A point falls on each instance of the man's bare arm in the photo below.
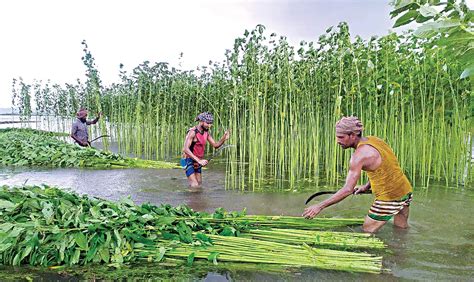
(221, 142)
(355, 169)
(94, 121)
(187, 145)
(353, 176)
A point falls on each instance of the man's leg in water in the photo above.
(401, 219)
(372, 225)
(198, 178)
(192, 180)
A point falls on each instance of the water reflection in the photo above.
(196, 199)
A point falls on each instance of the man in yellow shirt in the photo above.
(392, 190)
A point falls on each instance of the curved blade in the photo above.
(331, 192)
(318, 194)
(102, 136)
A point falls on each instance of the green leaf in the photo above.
(406, 18)
(201, 236)
(81, 240)
(6, 226)
(48, 212)
(190, 259)
(161, 254)
(185, 233)
(91, 252)
(457, 38)
(26, 252)
(95, 211)
(7, 205)
(227, 231)
(104, 254)
(421, 19)
(118, 237)
(428, 11)
(16, 259)
(15, 232)
(402, 3)
(137, 237)
(219, 213)
(165, 220)
(401, 6)
(117, 256)
(4, 247)
(147, 217)
(75, 256)
(442, 24)
(468, 72)
(55, 229)
(213, 257)
(170, 236)
(127, 201)
(62, 248)
(138, 245)
(427, 30)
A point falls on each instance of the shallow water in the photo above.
(438, 245)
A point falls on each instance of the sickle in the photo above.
(98, 138)
(331, 192)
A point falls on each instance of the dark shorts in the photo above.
(190, 166)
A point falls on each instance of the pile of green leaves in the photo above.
(33, 131)
(28, 147)
(48, 226)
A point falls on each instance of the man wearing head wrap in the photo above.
(392, 190)
(194, 146)
(79, 128)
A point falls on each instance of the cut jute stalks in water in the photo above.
(28, 147)
(47, 226)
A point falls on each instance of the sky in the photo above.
(41, 39)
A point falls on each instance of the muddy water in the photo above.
(438, 246)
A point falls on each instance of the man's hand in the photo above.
(202, 162)
(312, 211)
(100, 115)
(226, 135)
(360, 189)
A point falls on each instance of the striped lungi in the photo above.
(385, 210)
